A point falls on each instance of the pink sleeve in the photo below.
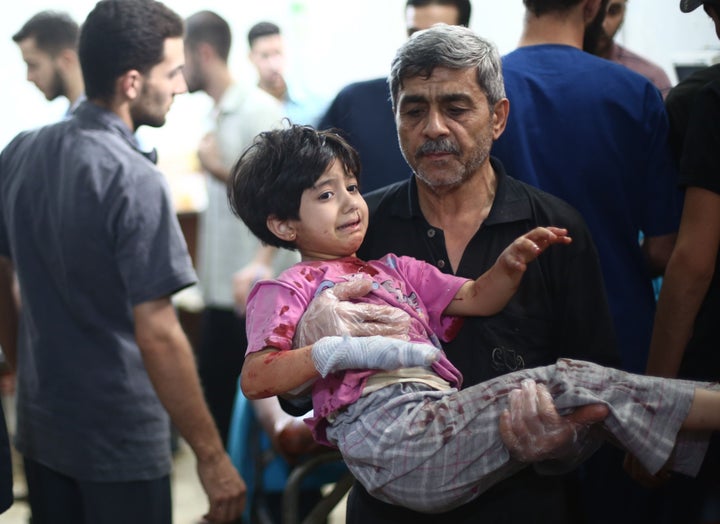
(273, 312)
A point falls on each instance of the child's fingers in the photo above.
(546, 236)
(352, 289)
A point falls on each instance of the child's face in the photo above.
(333, 217)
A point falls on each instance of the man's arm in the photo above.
(686, 281)
(171, 367)
(657, 251)
(210, 158)
(9, 310)
(259, 269)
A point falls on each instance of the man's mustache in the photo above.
(443, 145)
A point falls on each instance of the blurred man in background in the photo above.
(48, 43)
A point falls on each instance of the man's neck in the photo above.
(277, 89)
(459, 211)
(74, 89)
(218, 82)
(554, 28)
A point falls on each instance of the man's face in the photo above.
(445, 126)
(268, 57)
(595, 35)
(159, 87)
(419, 18)
(194, 76)
(614, 17)
(42, 69)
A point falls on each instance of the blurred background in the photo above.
(331, 43)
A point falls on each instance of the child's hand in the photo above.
(528, 247)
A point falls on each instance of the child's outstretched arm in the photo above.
(493, 289)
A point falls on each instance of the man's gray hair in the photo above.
(453, 47)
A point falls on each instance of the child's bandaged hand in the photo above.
(332, 313)
(331, 354)
(534, 431)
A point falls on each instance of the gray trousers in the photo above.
(431, 450)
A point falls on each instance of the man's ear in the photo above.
(500, 116)
(130, 84)
(283, 229)
(66, 59)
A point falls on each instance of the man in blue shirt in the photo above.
(595, 134)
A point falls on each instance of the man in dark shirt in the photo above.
(458, 212)
(686, 332)
(87, 222)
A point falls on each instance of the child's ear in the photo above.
(282, 229)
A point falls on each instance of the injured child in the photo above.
(393, 406)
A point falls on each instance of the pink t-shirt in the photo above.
(275, 307)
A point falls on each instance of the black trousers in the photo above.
(58, 499)
(220, 355)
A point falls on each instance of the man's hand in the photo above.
(210, 158)
(532, 429)
(244, 280)
(224, 487)
(332, 314)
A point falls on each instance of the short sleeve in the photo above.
(150, 249)
(700, 161)
(274, 310)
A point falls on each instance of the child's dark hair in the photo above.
(271, 175)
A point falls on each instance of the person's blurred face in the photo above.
(159, 87)
(595, 38)
(614, 17)
(268, 56)
(445, 126)
(713, 11)
(192, 70)
(419, 18)
(42, 69)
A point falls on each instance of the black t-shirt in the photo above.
(700, 167)
(679, 102)
(559, 310)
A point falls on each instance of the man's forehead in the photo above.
(442, 82)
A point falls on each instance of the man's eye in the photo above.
(457, 110)
(413, 113)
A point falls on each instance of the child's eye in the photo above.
(326, 195)
(353, 188)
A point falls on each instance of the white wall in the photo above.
(331, 43)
